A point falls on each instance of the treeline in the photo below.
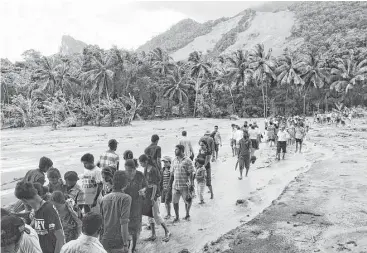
(110, 87)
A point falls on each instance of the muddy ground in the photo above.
(322, 210)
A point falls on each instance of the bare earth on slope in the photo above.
(323, 210)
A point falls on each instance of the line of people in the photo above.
(101, 210)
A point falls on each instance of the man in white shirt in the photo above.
(232, 139)
(238, 136)
(16, 236)
(283, 136)
(88, 241)
(254, 133)
(184, 141)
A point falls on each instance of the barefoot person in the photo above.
(205, 155)
(244, 154)
(217, 142)
(115, 210)
(182, 172)
(254, 134)
(136, 183)
(300, 134)
(232, 139)
(283, 136)
(45, 218)
(153, 192)
(200, 177)
(110, 158)
(166, 197)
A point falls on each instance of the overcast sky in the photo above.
(40, 24)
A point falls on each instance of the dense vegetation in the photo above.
(109, 87)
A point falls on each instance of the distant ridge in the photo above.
(70, 46)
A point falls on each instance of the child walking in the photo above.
(166, 197)
(200, 178)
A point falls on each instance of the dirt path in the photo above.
(323, 210)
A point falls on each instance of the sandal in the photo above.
(167, 237)
(150, 239)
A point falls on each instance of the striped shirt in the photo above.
(166, 177)
(109, 158)
(182, 168)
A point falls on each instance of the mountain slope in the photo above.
(278, 25)
(69, 45)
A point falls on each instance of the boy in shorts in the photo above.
(166, 197)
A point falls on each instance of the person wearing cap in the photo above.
(166, 197)
(45, 219)
(110, 158)
(209, 140)
(16, 236)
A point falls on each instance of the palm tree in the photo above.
(161, 61)
(178, 85)
(314, 74)
(199, 69)
(263, 66)
(239, 67)
(348, 72)
(47, 72)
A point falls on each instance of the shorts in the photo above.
(216, 147)
(183, 192)
(166, 197)
(233, 143)
(255, 144)
(208, 176)
(272, 139)
(244, 162)
(282, 146)
(299, 141)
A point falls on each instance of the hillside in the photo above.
(278, 25)
(69, 45)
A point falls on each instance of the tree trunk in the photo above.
(99, 110)
(304, 105)
(196, 95)
(262, 91)
(233, 104)
(266, 99)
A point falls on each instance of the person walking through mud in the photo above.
(283, 136)
(217, 142)
(244, 154)
(205, 155)
(135, 186)
(232, 139)
(300, 134)
(181, 175)
(153, 191)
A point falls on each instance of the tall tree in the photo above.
(348, 72)
(199, 69)
(161, 61)
(263, 65)
(239, 69)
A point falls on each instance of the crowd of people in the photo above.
(339, 118)
(101, 210)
